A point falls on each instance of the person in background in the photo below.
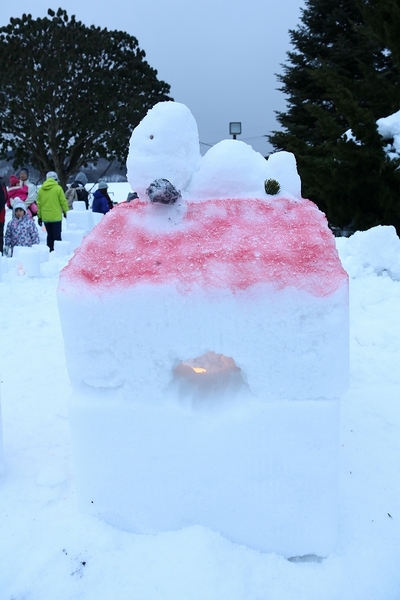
(21, 230)
(81, 192)
(52, 205)
(16, 191)
(3, 202)
(102, 202)
(32, 189)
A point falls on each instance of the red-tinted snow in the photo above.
(219, 244)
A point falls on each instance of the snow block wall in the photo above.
(2, 466)
(79, 222)
(207, 345)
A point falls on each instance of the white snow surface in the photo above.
(50, 550)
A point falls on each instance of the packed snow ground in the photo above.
(49, 550)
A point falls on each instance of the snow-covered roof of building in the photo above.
(213, 244)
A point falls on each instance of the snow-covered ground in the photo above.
(48, 550)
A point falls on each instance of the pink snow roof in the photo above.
(218, 244)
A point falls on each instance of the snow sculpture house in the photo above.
(207, 345)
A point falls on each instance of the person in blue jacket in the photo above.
(102, 202)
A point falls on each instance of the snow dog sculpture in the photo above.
(206, 341)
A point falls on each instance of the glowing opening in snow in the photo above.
(208, 377)
(209, 364)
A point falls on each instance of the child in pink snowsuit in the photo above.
(16, 191)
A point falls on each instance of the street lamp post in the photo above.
(235, 128)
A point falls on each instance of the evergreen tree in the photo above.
(383, 16)
(71, 94)
(341, 78)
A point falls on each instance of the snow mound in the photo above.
(374, 251)
(230, 169)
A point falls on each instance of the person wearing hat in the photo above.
(21, 230)
(16, 191)
(32, 189)
(3, 203)
(102, 202)
(52, 204)
(81, 192)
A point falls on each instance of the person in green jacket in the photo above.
(52, 205)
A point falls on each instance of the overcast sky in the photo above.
(219, 56)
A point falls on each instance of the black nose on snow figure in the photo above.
(162, 190)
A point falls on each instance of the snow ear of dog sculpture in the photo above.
(207, 345)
